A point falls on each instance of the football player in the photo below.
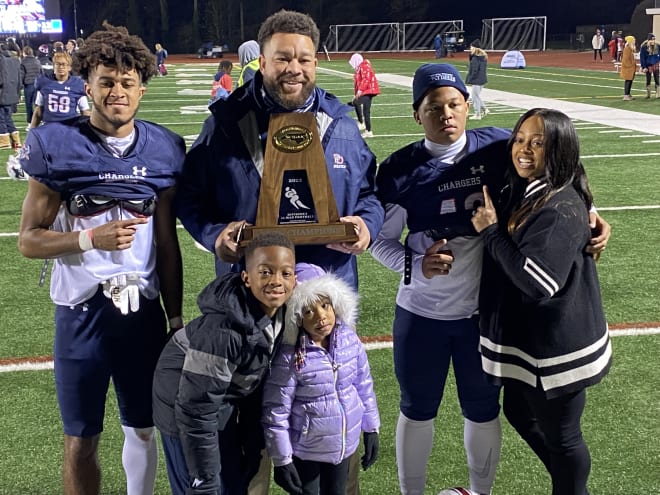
(99, 203)
(436, 316)
(60, 95)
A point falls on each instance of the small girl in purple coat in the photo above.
(319, 395)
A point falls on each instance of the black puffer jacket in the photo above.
(10, 79)
(209, 368)
(30, 69)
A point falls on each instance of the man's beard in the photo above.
(285, 100)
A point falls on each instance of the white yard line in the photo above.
(386, 343)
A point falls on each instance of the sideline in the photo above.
(370, 343)
(625, 119)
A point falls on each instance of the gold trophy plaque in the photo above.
(295, 197)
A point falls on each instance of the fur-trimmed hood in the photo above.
(309, 290)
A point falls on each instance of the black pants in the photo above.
(655, 74)
(551, 427)
(322, 478)
(363, 110)
(598, 51)
(627, 86)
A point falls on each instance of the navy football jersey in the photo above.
(96, 187)
(440, 197)
(60, 100)
(81, 164)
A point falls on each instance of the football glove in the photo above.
(124, 292)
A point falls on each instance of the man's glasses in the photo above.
(62, 65)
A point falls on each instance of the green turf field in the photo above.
(622, 422)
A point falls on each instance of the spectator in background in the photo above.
(30, 70)
(61, 96)
(43, 56)
(649, 59)
(70, 47)
(628, 67)
(58, 46)
(598, 43)
(248, 57)
(365, 88)
(612, 46)
(620, 43)
(161, 55)
(222, 83)
(477, 76)
(10, 95)
(437, 45)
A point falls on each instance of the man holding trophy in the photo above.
(282, 154)
(225, 167)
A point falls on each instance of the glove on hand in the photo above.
(287, 477)
(124, 292)
(370, 449)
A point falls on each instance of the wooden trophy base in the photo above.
(305, 233)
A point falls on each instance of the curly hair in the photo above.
(115, 47)
(288, 21)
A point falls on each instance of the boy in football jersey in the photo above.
(99, 203)
(60, 95)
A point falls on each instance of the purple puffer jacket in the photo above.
(317, 413)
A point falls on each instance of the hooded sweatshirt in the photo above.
(248, 57)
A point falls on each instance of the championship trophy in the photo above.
(296, 198)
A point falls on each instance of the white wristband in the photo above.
(176, 322)
(85, 240)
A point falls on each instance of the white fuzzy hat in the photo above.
(314, 283)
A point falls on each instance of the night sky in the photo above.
(563, 15)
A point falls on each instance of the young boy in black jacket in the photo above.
(207, 384)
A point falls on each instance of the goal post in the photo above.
(383, 37)
(514, 33)
(419, 35)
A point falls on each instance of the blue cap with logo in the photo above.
(430, 76)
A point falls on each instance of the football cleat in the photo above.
(456, 490)
(14, 169)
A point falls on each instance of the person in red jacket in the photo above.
(365, 87)
(612, 46)
(222, 82)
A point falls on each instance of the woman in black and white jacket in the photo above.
(543, 330)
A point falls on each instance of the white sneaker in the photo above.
(361, 126)
(485, 112)
(476, 116)
(367, 134)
